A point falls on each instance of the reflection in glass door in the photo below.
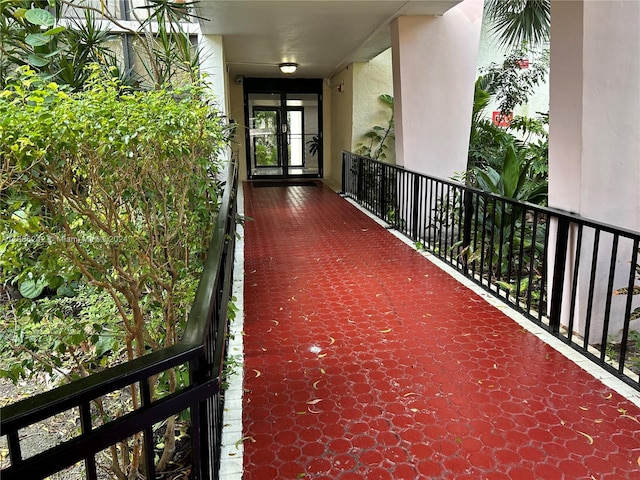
(284, 136)
(304, 145)
(265, 135)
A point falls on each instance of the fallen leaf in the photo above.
(301, 413)
(410, 394)
(599, 420)
(414, 410)
(588, 437)
(253, 440)
(313, 402)
(608, 396)
(332, 340)
(583, 408)
(258, 372)
(322, 355)
(276, 321)
(322, 371)
(630, 417)
(313, 411)
(315, 385)
(385, 331)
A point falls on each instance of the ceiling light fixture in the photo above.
(288, 67)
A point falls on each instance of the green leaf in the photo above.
(38, 16)
(56, 30)
(20, 12)
(103, 345)
(65, 291)
(36, 39)
(510, 172)
(32, 288)
(37, 60)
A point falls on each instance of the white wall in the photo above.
(434, 71)
(594, 134)
(213, 65)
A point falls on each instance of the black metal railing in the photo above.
(202, 349)
(572, 276)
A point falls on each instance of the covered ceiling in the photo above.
(321, 36)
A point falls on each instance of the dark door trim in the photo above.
(282, 87)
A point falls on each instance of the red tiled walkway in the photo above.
(365, 361)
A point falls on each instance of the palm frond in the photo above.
(519, 21)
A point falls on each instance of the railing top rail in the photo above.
(46, 404)
(551, 211)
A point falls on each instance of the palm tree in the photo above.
(518, 21)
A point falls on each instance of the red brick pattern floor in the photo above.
(365, 361)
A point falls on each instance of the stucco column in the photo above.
(594, 112)
(434, 70)
(594, 139)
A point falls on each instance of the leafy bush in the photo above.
(119, 187)
(107, 201)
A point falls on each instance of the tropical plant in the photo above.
(109, 193)
(314, 145)
(518, 21)
(509, 83)
(377, 139)
(512, 181)
(635, 314)
(31, 33)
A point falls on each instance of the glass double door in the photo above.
(284, 137)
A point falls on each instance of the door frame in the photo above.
(282, 87)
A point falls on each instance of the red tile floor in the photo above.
(363, 360)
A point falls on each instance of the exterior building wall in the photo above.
(236, 115)
(434, 70)
(594, 137)
(340, 103)
(372, 79)
(213, 65)
(595, 110)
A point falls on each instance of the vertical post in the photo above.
(415, 206)
(383, 192)
(85, 426)
(149, 458)
(466, 229)
(559, 266)
(359, 180)
(197, 416)
(344, 173)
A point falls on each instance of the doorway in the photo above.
(284, 138)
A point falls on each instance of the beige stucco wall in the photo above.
(340, 124)
(372, 79)
(236, 114)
